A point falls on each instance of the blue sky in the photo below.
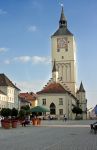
(26, 27)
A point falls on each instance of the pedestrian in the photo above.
(65, 118)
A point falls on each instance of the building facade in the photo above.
(64, 53)
(55, 97)
(9, 93)
(3, 99)
(61, 94)
(27, 99)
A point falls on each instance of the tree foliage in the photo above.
(76, 110)
(6, 112)
(22, 113)
(27, 109)
(14, 112)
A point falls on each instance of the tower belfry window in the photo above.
(58, 50)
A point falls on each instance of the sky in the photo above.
(26, 27)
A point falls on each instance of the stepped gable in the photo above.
(64, 85)
(57, 88)
(53, 88)
(4, 81)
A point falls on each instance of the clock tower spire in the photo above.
(62, 21)
(64, 52)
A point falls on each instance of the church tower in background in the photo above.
(64, 54)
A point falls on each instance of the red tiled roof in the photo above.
(28, 96)
(53, 88)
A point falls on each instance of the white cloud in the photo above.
(32, 28)
(3, 49)
(7, 62)
(33, 59)
(23, 59)
(2, 12)
(27, 59)
(38, 59)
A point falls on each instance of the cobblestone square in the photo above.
(51, 135)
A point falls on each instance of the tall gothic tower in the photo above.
(64, 53)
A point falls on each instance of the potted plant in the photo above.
(6, 122)
(14, 113)
(22, 114)
(38, 121)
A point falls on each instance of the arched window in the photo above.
(52, 109)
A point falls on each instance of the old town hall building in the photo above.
(61, 94)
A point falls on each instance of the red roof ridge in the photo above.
(53, 87)
(28, 96)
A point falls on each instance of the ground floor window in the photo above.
(60, 111)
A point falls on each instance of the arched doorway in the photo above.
(52, 109)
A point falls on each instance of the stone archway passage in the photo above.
(52, 109)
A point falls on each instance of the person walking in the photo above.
(65, 118)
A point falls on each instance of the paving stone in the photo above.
(51, 135)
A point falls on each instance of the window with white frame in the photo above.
(43, 101)
(60, 101)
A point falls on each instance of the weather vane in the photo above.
(60, 3)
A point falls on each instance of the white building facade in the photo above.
(57, 99)
(64, 53)
(10, 91)
(62, 88)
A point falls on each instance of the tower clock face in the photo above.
(61, 42)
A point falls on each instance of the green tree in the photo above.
(27, 109)
(14, 112)
(76, 110)
(6, 112)
(22, 114)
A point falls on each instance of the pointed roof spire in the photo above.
(62, 30)
(62, 21)
(62, 17)
(81, 88)
(54, 67)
